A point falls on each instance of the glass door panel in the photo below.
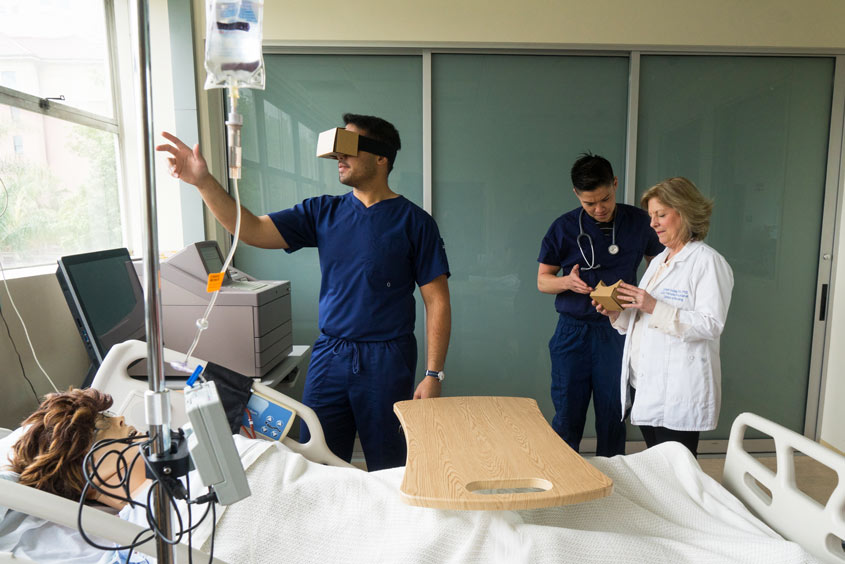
(752, 133)
(506, 130)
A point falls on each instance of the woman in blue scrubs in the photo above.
(600, 241)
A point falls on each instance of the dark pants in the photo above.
(352, 386)
(587, 360)
(656, 435)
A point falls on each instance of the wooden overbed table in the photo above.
(494, 453)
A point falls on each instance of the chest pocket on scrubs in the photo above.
(389, 267)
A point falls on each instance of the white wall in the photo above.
(833, 414)
(54, 337)
(168, 192)
(815, 24)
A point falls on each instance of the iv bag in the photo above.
(233, 44)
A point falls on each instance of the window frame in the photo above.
(122, 124)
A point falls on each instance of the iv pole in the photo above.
(157, 400)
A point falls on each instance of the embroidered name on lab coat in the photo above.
(671, 294)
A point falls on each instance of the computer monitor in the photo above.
(211, 258)
(106, 300)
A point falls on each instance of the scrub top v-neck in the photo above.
(371, 258)
(634, 237)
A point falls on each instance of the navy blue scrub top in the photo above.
(634, 237)
(370, 259)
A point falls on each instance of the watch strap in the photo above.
(435, 374)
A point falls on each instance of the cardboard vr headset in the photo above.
(608, 296)
(337, 142)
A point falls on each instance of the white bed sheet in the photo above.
(663, 509)
(249, 451)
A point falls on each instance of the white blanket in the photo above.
(663, 509)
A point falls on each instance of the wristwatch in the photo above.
(435, 374)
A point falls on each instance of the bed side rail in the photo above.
(128, 393)
(315, 449)
(786, 509)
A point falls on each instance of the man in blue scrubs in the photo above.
(599, 241)
(374, 247)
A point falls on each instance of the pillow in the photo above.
(6, 444)
(42, 541)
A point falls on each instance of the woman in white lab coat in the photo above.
(671, 373)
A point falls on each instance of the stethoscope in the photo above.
(612, 249)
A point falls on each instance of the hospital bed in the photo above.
(771, 496)
(128, 395)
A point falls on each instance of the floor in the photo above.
(813, 478)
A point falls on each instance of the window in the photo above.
(59, 164)
(8, 79)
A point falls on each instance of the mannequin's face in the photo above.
(109, 468)
(113, 427)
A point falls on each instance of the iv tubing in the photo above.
(202, 323)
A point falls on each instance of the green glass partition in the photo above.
(752, 133)
(506, 130)
(305, 95)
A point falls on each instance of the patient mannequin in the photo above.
(50, 453)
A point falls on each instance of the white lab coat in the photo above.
(679, 377)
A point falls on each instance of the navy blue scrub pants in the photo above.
(352, 386)
(587, 360)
